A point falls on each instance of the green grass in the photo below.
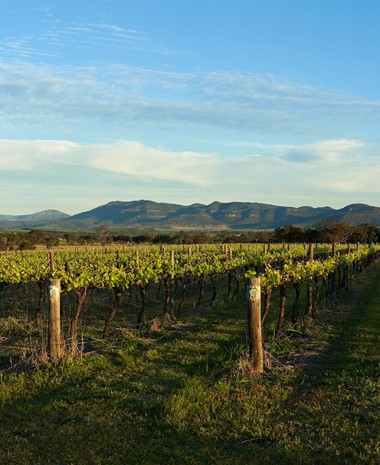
(180, 395)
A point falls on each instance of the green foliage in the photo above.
(185, 397)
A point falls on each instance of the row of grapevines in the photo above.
(334, 273)
(119, 270)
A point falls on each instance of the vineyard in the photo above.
(153, 359)
(167, 283)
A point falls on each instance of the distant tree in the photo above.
(123, 238)
(36, 237)
(52, 241)
(142, 238)
(184, 238)
(289, 233)
(311, 235)
(202, 238)
(163, 239)
(13, 241)
(264, 236)
(333, 232)
(71, 238)
(373, 232)
(3, 242)
(26, 245)
(103, 235)
(365, 233)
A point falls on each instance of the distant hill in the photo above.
(33, 221)
(216, 216)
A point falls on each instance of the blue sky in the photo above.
(188, 101)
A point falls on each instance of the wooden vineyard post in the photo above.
(309, 289)
(254, 326)
(54, 328)
(54, 348)
(311, 252)
(230, 253)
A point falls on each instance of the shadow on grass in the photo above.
(112, 408)
(333, 412)
(173, 400)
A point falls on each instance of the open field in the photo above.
(180, 394)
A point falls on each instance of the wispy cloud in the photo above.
(63, 43)
(89, 35)
(125, 158)
(121, 95)
(135, 159)
(330, 152)
(323, 171)
(248, 175)
(133, 169)
(28, 154)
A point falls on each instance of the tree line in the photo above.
(324, 232)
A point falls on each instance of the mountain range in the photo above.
(146, 214)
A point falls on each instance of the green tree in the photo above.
(103, 235)
(333, 232)
(289, 233)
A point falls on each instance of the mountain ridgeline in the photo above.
(147, 214)
(32, 221)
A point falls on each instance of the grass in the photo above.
(180, 395)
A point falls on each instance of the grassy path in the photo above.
(335, 413)
(179, 399)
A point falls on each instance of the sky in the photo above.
(187, 101)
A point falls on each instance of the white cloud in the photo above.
(98, 173)
(61, 41)
(60, 99)
(334, 172)
(330, 152)
(360, 177)
(126, 158)
(27, 154)
(135, 159)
